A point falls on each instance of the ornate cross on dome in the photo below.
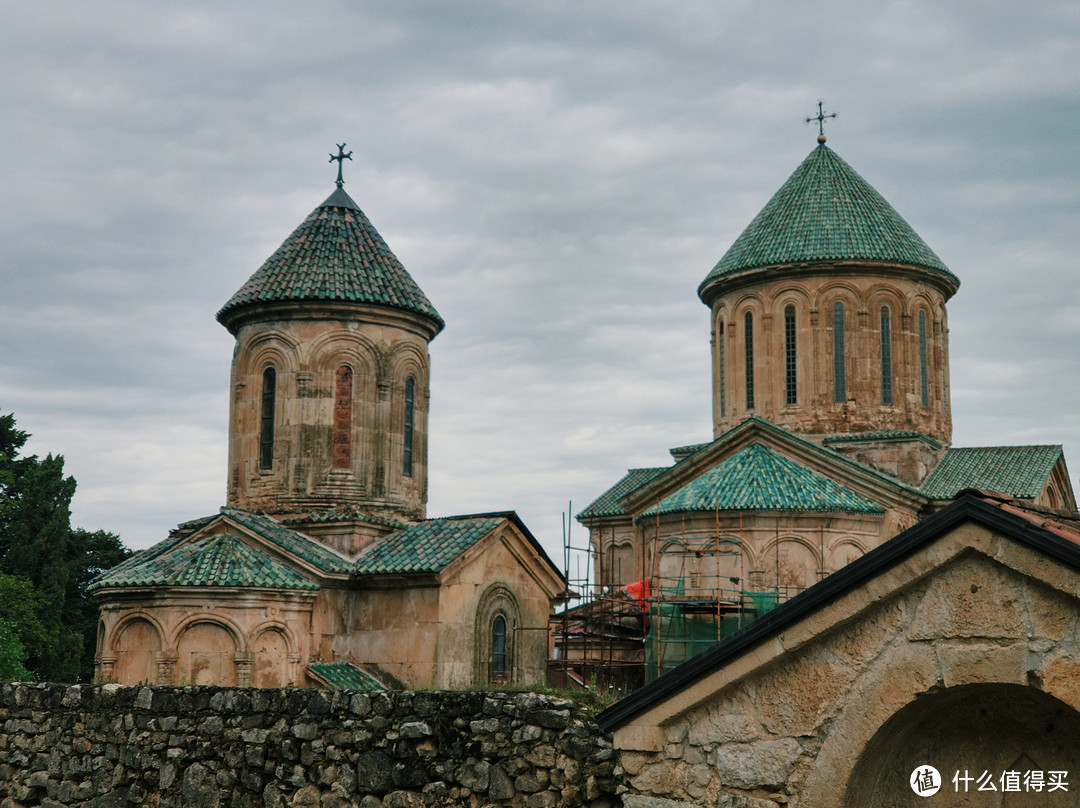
(341, 157)
(820, 118)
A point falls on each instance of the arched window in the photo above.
(498, 667)
(266, 428)
(839, 374)
(722, 358)
(749, 321)
(495, 645)
(924, 370)
(790, 391)
(886, 356)
(410, 406)
(343, 397)
(943, 364)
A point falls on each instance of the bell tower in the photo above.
(329, 406)
(828, 318)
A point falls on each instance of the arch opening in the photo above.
(992, 728)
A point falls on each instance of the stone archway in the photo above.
(994, 728)
(271, 668)
(138, 644)
(206, 655)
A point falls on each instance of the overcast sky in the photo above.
(557, 176)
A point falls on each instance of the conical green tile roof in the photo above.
(826, 212)
(336, 254)
(758, 479)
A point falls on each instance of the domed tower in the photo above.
(329, 404)
(828, 318)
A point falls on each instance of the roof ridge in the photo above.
(1010, 446)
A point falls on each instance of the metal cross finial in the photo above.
(341, 157)
(820, 118)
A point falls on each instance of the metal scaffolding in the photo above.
(619, 635)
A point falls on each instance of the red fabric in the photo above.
(639, 591)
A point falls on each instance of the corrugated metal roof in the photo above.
(758, 479)
(1019, 471)
(825, 211)
(336, 254)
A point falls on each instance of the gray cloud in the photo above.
(558, 177)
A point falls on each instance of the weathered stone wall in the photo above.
(957, 658)
(109, 746)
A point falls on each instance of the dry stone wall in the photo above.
(109, 746)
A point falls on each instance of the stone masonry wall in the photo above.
(917, 676)
(109, 746)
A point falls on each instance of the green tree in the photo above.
(19, 626)
(12, 656)
(37, 544)
(90, 554)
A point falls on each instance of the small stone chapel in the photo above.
(322, 568)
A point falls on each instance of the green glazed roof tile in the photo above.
(291, 541)
(825, 211)
(425, 547)
(347, 515)
(344, 676)
(882, 436)
(758, 479)
(607, 504)
(336, 254)
(1019, 471)
(221, 560)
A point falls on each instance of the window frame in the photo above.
(267, 416)
(791, 390)
(839, 353)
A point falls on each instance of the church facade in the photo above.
(832, 427)
(323, 568)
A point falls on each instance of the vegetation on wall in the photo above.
(48, 622)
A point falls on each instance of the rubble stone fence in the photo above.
(109, 746)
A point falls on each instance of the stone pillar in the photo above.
(244, 661)
(166, 663)
(105, 669)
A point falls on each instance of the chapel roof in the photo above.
(335, 255)
(185, 559)
(344, 676)
(221, 560)
(756, 478)
(825, 211)
(608, 503)
(1019, 471)
(428, 546)
(291, 541)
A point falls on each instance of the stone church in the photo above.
(323, 568)
(941, 668)
(922, 635)
(832, 429)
